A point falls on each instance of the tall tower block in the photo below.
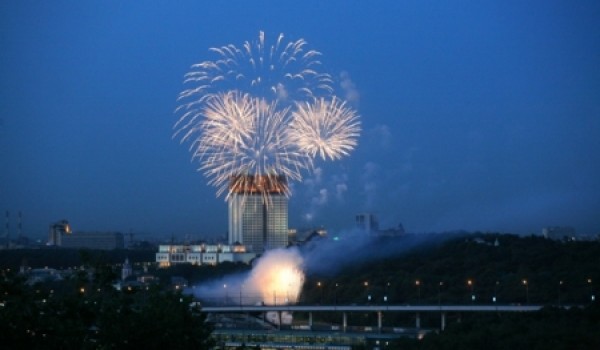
(258, 212)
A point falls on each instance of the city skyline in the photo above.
(482, 117)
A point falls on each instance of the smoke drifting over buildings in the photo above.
(276, 278)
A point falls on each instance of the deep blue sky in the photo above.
(475, 115)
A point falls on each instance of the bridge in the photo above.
(379, 309)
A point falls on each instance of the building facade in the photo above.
(61, 235)
(367, 222)
(258, 213)
(202, 254)
(93, 240)
(57, 231)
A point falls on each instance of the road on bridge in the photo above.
(372, 308)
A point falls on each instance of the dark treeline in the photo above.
(86, 312)
(564, 276)
(549, 329)
(518, 270)
(61, 258)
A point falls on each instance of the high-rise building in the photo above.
(57, 231)
(258, 212)
(367, 222)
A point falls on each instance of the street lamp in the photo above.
(560, 283)
(335, 293)
(440, 293)
(526, 290)
(366, 284)
(385, 297)
(418, 284)
(592, 296)
(225, 290)
(470, 284)
(320, 291)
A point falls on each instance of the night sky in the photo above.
(475, 115)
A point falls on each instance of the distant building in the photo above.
(393, 231)
(258, 222)
(127, 270)
(61, 235)
(57, 231)
(559, 233)
(302, 236)
(93, 240)
(202, 254)
(367, 222)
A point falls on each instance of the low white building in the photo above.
(202, 254)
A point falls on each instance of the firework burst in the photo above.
(258, 115)
(242, 139)
(325, 128)
(280, 71)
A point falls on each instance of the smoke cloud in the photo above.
(370, 181)
(351, 92)
(276, 278)
(320, 192)
(340, 250)
(380, 135)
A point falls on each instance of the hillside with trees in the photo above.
(561, 275)
(86, 312)
(514, 269)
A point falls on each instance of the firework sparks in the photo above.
(276, 72)
(326, 128)
(241, 138)
(258, 116)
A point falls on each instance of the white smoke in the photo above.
(370, 181)
(276, 278)
(350, 91)
(321, 192)
(340, 189)
(281, 92)
(317, 194)
(380, 135)
(321, 199)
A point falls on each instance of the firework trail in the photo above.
(258, 115)
(276, 72)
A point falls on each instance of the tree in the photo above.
(154, 319)
(98, 318)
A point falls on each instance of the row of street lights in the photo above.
(470, 284)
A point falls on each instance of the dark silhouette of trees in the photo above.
(551, 328)
(555, 272)
(89, 315)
